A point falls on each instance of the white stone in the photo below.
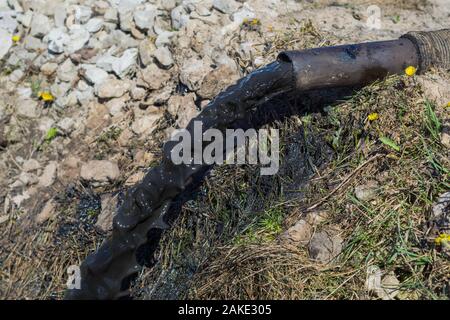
(67, 71)
(4, 5)
(49, 68)
(226, 6)
(67, 101)
(125, 20)
(94, 25)
(60, 15)
(168, 4)
(60, 89)
(128, 5)
(16, 76)
(78, 37)
(85, 96)
(18, 199)
(48, 212)
(246, 12)
(8, 21)
(145, 124)
(49, 175)
(15, 5)
(82, 14)
(20, 55)
(115, 105)
(146, 50)
(33, 44)
(138, 93)
(105, 62)
(367, 191)
(24, 92)
(193, 72)
(202, 10)
(66, 125)
(152, 77)
(164, 56)
(45, 123)
(112, 88)
(5, 40)
(100, 7)
(182, 108)
(40, 25)
(24, 179)
(82, 85)
(31, 165)
(94, 74)
(100, 171)
(122, 66)
(27, 108)
(105, 219)
(117, 40)
(57, 39)
(145, 19)
(163, 38)
(179, 17)
(25, 19)
(111, 15)
(125, 9)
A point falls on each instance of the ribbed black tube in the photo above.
(146, 205)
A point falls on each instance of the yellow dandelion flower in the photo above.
(46, 96)
(410, 71)
(16, 38)
(373, 116)
(448, 104)
(255, 21)
(442, 238)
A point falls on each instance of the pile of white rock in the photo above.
(94, 47)
(109, 63)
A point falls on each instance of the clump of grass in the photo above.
(432, 122)
(265, 229)
(51, 134)
(105, 142)
(35, 84)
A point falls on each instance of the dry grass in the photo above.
(272, 271)
(34, 259)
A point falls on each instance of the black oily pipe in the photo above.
(146, 205)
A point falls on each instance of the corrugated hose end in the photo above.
(433, 48)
